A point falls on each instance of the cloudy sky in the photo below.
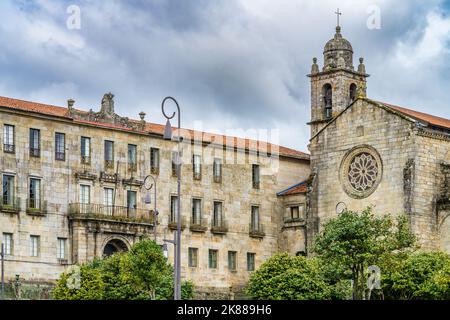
(234, 65)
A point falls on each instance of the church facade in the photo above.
(73, 182)
(371, 153)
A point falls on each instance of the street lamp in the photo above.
(177, 240)
(148, 199)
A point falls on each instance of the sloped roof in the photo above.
(297, 188)
(424, 117)
(155, 128)
(409, 114)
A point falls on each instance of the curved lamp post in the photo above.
(177, 240)
(148, 199)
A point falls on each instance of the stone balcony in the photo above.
(173, 223)
(219, 227)
(198, 225)
(110, 213)
(256, 231)
(36, 207)
(10, 205)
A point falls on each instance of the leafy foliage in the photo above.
(422, 275)
(353, 241)
(140, 274)
(285, 277)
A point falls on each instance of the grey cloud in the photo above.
(230, 63)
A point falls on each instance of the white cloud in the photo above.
(427, 46)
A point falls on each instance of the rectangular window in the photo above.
(250, 261)
(196, 211)
(8, 138)
(193, 257)
(254, 222)
(61, 252)
(197, 166)
(109, 154)
(35, 143)
(173, 208)
(295, 212)
(8, 190)
(154, 161)
(212, 259)
(108, 200)
(131, 203)
(131, 199)
(60, 146)
(34, 200)
(132, 157)
(232, 260)
(85, 150)
(255, 176)
(34, 246)
(217, 216)
(8, 244)
(85, 194)
(217, 170)
(175, 161)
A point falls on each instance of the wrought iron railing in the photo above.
(132, 166)
(256, 230)
(60, 156)
(10, 204)
(9, 148)
(35, 152)
(85, 159)
(106, 212)
(109, 164)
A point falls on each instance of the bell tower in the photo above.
(337, 85)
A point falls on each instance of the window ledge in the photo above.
(36, 212)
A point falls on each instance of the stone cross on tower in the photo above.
(338, 14)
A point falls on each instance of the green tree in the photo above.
(421, 275)
(89, 287)
(286, 277)
(354, 241)
(140, 274)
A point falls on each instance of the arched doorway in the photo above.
(113, 246)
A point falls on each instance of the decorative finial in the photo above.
(314, 67)
(361, 67)
(142, 115)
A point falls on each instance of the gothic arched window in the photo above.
(352, 92)
(327, 100)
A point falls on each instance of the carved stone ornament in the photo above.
(361, 171)
(106, 115)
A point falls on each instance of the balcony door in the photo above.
(8, 190)
(85, 198)
(131, 203)
(108, 201)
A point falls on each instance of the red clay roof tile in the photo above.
(261, 146)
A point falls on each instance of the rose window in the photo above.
(363, 172)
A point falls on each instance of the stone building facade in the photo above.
(73, 181)
(73, 189)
